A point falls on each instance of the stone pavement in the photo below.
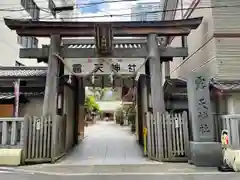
(178, 176)
(106, 143)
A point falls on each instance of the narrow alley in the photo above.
(107, 143)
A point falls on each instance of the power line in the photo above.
(134, 14)
(167, 10)
(81, 4)
(85, 4)
(78, 5)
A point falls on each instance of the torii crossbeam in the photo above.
(86, 29)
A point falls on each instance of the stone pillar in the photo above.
(203, 150)
(144, 99)
(76, 109)
(139, 111)
(157, 95)
(51, 90)
(81, 116)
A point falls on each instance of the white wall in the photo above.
(9, 48)
(201, 47)
(33, 108)
(8, 39)
(233, 104)
(227, 23)
(214, 47)
(109, 105)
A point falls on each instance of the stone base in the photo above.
(206, 153)
(232, 158)
(10, 157)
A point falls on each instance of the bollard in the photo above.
(145, 141)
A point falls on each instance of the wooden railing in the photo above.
(42, 139)
(45, 138)
(168, 138)
(11, 132)
(231, 123)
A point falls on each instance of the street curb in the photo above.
(16, 170)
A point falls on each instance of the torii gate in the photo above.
(104, 34)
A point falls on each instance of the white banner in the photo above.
(16, 94)
(102, 66)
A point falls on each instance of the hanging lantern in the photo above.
(93, 79)
(69, 79)
(111, 78)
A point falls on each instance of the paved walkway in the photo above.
(107, 143)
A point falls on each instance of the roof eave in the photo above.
(17, 24)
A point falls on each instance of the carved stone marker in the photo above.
(203, 150)
(200, 108)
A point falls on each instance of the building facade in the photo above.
(146, 12)
(213, 48)
(10, 42)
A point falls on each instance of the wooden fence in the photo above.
(231, 123)
(11, 132)
(44, 138)
(168, 138)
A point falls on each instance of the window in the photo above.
(24, 42)
(19, 39)
(36, 14)
(31, 7)
(34, 11)
(52, 6)
(183, 7)
(184, 43)
(27, 42)
(35, 42)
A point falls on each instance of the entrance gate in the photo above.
(172, 130)
(163, 129)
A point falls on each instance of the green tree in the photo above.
(91, 104)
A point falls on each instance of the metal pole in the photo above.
(50, 96)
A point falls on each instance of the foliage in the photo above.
(98, 92)
(91, 104)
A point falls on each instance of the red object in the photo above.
(89, 60)
(226, 139)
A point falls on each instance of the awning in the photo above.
(22, 71)
(23, 96)
(226, 85)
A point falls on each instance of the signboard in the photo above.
(101, 66)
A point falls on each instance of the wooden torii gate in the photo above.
(104, 34)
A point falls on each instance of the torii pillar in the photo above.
(51, 88)
(157, 95)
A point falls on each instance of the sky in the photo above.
(106, 9)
